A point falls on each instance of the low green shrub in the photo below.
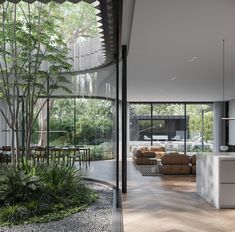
(59, 179)
(13, 213)
(16, 186)
(42, 193)
(97, 153)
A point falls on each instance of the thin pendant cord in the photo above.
(224, 116)
(223, 72)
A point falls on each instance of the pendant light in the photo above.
(223, 78)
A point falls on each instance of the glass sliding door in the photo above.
(169, 126)
(140, 124)
(200, 127)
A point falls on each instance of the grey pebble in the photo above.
(96, 218)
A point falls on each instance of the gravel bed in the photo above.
(96, 218)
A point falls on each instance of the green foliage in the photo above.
(195, 125)
(55, 191)
(101, 152)
(27, 166)
(93, 121)
(16, 185)
(79, 20)
(97, 153)
(13, 213)
(60, 179)
(57, 215)
(31, 39)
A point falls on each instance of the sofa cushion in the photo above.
(149, 154)
(193, 160)
(143, 161)
(175, 159)
(138, 154)
(174, 169)
(157, 148)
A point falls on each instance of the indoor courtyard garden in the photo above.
(56, 116)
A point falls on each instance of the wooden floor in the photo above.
(160, 204)
(170, 203)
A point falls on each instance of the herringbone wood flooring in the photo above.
(170, 204)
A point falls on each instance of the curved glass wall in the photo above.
(74, 72)
(78, 122)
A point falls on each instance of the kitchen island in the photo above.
(215, 178)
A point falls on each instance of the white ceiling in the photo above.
(175, 50)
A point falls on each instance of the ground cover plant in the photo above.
(41, 193)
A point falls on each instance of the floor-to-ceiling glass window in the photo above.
(178, 127)
(94, 125)
(140, 124)
(77, 121)
(169, 126)
(200, 127)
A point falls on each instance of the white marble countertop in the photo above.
(219, 154)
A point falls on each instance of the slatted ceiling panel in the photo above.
(99, 24)
(98, 13)
(73, 1)
(89, 1)
(44, 1)
(102, 48)
(60, 1)
(14, 1)
(29, 1)
(97, 10)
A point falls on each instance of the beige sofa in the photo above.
(173, 164)
(169, 164)
(193, 164)
(142, 154)
(176, 164)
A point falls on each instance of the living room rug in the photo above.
(148, 170)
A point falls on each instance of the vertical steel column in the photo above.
(23, 126)
(151, 104)
(226, 124)
(48, 118)
(117, 17)
(202, 132)
(185, 128)
(74, 120)
(124, 118)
